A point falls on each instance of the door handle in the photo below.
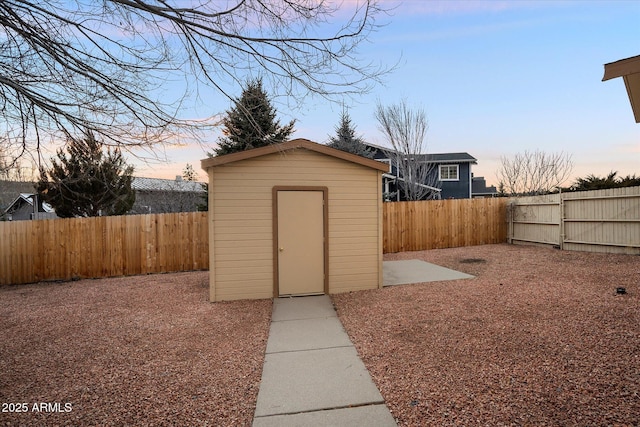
(281, 249)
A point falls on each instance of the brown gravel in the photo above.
(538, 338)
(143, 350)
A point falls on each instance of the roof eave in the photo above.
(629, 70)
(292, 145)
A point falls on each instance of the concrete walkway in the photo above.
(417, 271)
(312, 374)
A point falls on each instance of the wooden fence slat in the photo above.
(414, 226)
(597, 221)
(62, 249)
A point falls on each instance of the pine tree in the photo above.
(89, 182)
(346, 139)
(188, 174)
(251, 122)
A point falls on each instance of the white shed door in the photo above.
(300, 243)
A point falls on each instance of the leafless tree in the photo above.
(13, 168)
(405, 128)
(534, 172)
(105, 66)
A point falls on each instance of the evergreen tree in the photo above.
(346, 139)
(593, 182)
(251, 122)
(188, 174)
(89, 182)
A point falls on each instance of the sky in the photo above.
(495, 78)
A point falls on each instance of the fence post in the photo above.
(562, 217)
(510, 209)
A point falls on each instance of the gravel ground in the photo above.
(538, 338)
(143, 350)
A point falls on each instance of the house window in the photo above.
(449, 173)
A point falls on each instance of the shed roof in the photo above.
(629, 70)
(292, 145)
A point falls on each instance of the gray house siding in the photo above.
(459, 188)
(23, 209)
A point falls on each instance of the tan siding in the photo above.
(242, 214)
(212, 242)
(244, 241)
(250, 229)
(358, 265)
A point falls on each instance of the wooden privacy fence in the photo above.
(436, 224)
(591, 221)
(63, 249)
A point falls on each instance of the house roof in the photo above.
(435, 157)
(156, 184)
(28, 198)
(293, 145)
(479, 187)
(629, 70)
(450, 158)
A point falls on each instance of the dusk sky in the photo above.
(494, 77)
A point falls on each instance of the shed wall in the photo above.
(241, 229)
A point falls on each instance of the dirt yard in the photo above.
(539, 337)
(142, 350)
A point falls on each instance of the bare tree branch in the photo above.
(406, 130)
(534, 172)
(70, 66)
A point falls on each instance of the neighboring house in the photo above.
(453, 169)
(28, 206)
(479, 188)
(152, 196)
(155, 195)
(9, 190)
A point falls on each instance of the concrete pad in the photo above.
(302, 308)
(307, 334)
(417, 271)
(370, 415)
(313, 380)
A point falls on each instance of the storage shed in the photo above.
(296, 218)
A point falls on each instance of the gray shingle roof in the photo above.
(436, 157)
(451, 157)
(28, 198)
(157, 184)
